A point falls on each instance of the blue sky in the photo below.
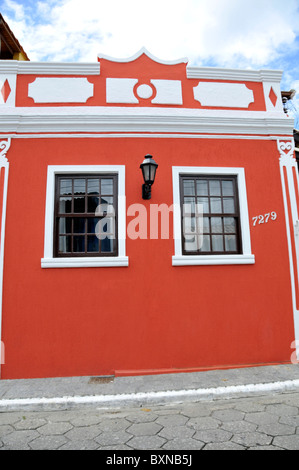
(247, 34)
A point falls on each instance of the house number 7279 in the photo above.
(263, 219)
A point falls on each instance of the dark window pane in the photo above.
(203, 204)
(202, 187)
(107, 200)
(79, 205)
(78, 244)
(189, 205)
(79, 225)
(106, 205)
(106, 186)
(92, 204)
(189, 187)
(65, 225)
(189, 224)
(79, 186)
(65, 244)
(215, 188)
(92, 243)
(216, 225)
(229, 225)
(107, 245)
(227, 188)
(206, 225)
(205, 244)
(230, 242)
(217, 243)
(106, 226)
(65, 205)
(92, 225)
(93, 186)
(216, 207)
(190, 243)
(65, 187)
(228, 205)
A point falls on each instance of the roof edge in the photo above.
(143, 50)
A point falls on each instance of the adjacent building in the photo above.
(10, 48)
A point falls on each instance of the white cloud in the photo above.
(233, 33)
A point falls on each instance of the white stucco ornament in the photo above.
(4, 147)
(144, 91)
(60, 90)
(223, 95)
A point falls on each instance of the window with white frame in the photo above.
(85, 217)
(211, 224)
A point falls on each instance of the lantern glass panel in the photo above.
(152, 173)
(146, 172)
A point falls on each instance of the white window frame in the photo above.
(48, 261)
(246, 257)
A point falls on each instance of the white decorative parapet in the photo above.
(60, 90)
(4, 167)
(223, 95)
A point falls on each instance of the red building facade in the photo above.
(96, 280)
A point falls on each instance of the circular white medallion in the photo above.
(144, 91)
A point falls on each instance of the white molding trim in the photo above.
(216, 73)
(143, 50)
(49, 68)
(4, 165)
(185, 260)
(48, 261)
(86, 262)
(287, 161)
(154, 120)
(148, 135)
(212, 260)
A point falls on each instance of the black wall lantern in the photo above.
(148, 167)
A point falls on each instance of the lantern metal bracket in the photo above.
(146, 191)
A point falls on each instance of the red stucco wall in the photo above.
(150, 316)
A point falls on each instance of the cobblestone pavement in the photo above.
(259, 422)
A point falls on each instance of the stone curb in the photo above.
(146, 398)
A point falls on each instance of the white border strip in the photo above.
(148, 135)
(150, 397)
(4, 165)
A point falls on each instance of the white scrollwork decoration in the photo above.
(4, 147)
(286, 149)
